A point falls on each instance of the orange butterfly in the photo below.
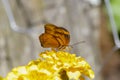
(54, 37)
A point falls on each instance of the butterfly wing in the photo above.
(63, 36)
(54, 37)
(50, 29)
(48, 41)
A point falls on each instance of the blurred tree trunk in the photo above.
(111, 69)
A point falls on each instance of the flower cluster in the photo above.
(53, 65)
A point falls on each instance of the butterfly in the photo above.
(54, 37)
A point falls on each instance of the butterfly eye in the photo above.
(54, 37)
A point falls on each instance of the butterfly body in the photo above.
(54, 37)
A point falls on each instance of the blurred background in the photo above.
(97, 22)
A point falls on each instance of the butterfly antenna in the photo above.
(77, 43)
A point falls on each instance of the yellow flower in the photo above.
(1, 78)
(53, 65)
